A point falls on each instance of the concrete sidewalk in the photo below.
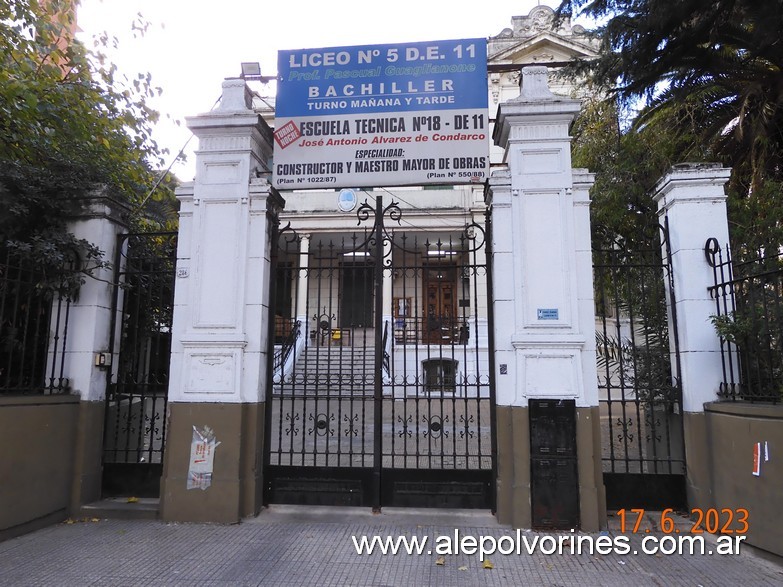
(289, 545)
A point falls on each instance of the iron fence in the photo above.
(137, 385)
(33, 326)
(640, 398)
(749, 321)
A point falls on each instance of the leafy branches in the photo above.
(68, 123)
(709, 77)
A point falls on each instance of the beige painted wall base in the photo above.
(37, 437)
(513, 482)
(733, 429)
(237, 485)
(698, 482)
(592, 494)
(88, 455)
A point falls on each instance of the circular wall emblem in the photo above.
(346, 201)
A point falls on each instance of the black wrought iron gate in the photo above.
(137, 383)
(640, 400)
(381, 391)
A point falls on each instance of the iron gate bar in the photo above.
(378, 389)
(638, 364)
(34, 317)
(369, 451)
(137, 383)
(489, 251)
(748, 307)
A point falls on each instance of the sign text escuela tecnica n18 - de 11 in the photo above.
(382, 115)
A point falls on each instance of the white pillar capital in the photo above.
(236, 96)
(691, 182)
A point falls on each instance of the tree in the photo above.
(709, 71)
(627, 163)
(68, 124)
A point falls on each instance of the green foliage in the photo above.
(627, 167)
(756, 222)
(754, 329)
(707, 77)
(68, 124)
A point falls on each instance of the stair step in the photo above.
(118, 508)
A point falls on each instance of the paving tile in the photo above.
(303, 550)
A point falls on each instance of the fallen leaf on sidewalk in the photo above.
(95, 519)
(440, 561)
(488, 564)
(462, 568)
(133, 500)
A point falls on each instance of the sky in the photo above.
(190, 46)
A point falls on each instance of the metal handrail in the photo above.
(287, 346)
(386, 357)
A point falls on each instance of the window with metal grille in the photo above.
(440, 375)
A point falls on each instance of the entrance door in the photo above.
(439, 304)
(554, 480)
(403, 414)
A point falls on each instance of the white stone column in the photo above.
(478, 297)
(302, 282)
(542, 285)
(220, 332)
(89, 325)
(219, 344)
(692, 199)
(585, 292)
(90, 314)
(549, 284)
(503, 293)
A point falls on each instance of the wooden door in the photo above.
(440, 324)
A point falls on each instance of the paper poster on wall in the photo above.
(202, 458)
(757, 459)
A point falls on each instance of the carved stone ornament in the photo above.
(540, 19)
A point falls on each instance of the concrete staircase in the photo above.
(332, 369)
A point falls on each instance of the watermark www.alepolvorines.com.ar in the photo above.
(521, 543)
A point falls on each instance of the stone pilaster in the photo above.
(543, 289)
(221, 315)
(103, 219)
(692, 201)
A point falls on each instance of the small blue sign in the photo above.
(548, 314)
